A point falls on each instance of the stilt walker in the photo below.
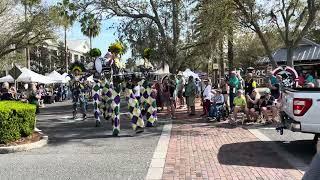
(134, 107)
(78, 89)
(149, 101)
(115, 106)
(106, 101)
(150, 105)
(96, 90)
(116, 49)
(96, 102)
(152, 108)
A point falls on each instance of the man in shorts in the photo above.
(239, 104)
(268, 103)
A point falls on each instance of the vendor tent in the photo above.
(28, 76)
(56, 77)
(66, 77)
(7, 78)
(162, 71)
(188, 73)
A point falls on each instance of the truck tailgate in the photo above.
(295, 101)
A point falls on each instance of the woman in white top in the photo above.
(206, 98)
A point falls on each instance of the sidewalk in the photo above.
(200, 150)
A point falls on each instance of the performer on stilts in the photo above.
(134, 105)
(78, 89)
(148, 95)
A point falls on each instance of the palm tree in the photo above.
(90, 26)
(28, 4)
(64, 14)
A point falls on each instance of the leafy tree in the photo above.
(21, 34)
(61, 57)
(40, 59)
(9, 60)
(64, 14)
(90, 26)
(28, 5)
(166, 16)
(248, 48)
(130, 64)
(297, 17)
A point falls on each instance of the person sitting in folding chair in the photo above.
(240, 104)
(268, 103)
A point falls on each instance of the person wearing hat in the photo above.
(217, 103)
(78, 89)
(267, 103)
(249, 84)
(240, 104)
(206, 97)
(234, 84)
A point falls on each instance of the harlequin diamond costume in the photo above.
(106, 93)
(79, 89)
(148, 102)
(133, 103)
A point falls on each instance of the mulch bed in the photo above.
(34, 137)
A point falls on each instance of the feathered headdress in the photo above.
(77, 66)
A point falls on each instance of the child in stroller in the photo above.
(217, 108)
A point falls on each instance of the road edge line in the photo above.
(291, 159)
(156, 167)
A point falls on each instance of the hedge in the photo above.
(16, 120)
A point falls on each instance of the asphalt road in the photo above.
(78, 150)
(298, 144)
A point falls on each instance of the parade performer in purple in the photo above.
(79, 89)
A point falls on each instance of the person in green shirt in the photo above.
(240, 104)
(234, 84)
(190, 93)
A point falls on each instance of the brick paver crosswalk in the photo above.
(200, 150)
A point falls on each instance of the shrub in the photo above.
(16, 120)
(95, 52)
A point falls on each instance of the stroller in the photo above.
(217, 112)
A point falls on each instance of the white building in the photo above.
(76, 48)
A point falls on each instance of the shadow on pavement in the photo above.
(62, 129)
(255, 154)
(304, 149)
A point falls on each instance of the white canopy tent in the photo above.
(57, 77)
(162, 71)
(188, 73)
(28, 76)
(66, 77)
(7, 78)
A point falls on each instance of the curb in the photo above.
(25, 147)
(157, 164)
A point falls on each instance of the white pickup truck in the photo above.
(300, 110)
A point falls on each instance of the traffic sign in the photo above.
(15, 72)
